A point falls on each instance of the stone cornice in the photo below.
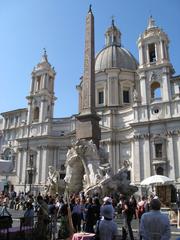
(166, 134)
(152, 122)
(51, 147)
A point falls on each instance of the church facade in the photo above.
(138, 104)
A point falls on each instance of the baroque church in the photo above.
(138, 104)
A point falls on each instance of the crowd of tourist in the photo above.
(91, 214)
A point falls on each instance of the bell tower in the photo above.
(41, 98)
(153, 46)
(155, 68)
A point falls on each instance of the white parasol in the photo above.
(156, 180)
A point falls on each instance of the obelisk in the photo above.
(87, 125)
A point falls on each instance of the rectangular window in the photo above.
(158, 150)
(152, 53)
(126, 96)
(100, 97)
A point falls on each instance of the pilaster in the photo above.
(170, 156)
(44, 169)
(38, 164)
(136, 163)
(147, 159)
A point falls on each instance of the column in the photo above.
(178, 154)
(23, 172)
(136, 161)
(120, 94)
(170, 157)
(42, 110)
(108, 92)
(156, 52)
(32, 85)
(166, 96)
(38, 165)
(44, 169)
(162, 50)
(109, 148)
(117, 158)
(141, 57)
(44, 81)
(147, 55)
(113, 156)
(147, 159)
(19, 163)
(143, 90)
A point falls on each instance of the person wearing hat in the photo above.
(107, 201)
(107, 227)
(154, 224)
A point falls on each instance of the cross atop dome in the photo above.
(112, 23)
(44, 56)
(151, 23)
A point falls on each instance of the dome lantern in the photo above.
(151, 23)
(113, 35)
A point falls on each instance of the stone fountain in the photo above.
(88, 170)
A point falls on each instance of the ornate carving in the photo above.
(170, 133)
(51, 187)
(155, 75)
(142, 136)
(85, 163)
(135, 95)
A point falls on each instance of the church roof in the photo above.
(114, 56)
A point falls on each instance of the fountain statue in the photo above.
(52, 184)
(88, 169)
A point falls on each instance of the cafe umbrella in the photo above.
(156, 180)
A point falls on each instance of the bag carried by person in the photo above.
(97, 237)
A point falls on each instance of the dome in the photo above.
(114, 56)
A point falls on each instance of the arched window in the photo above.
(152, 53)
(38, 83)
(8, 154)
(160, 171)
(155, 90)
(36, 114)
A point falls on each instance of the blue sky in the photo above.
(59, 25)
